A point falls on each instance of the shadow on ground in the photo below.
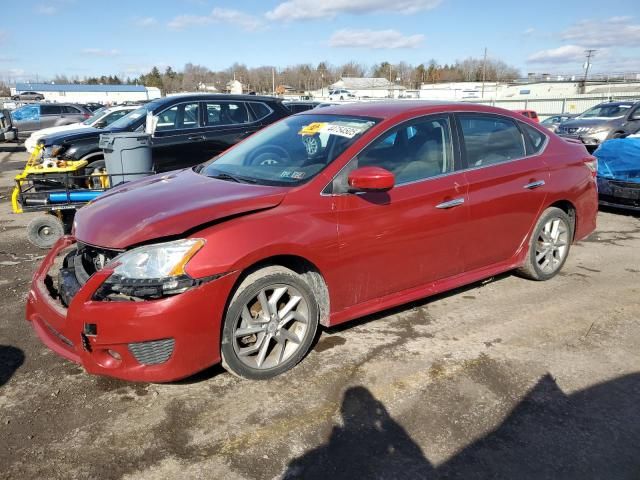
(11, 358)
(593, 433)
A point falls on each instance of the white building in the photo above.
(550, 88)
(364, 87)
(80, 93)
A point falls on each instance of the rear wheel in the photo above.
(549, 245)
(270, 324)
(44, 230)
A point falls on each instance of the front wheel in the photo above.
(270, 324)
(549, 245)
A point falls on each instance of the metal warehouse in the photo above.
(77, 93)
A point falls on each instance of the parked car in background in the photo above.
(554, 121)
(28, 96)
(8, 132)
(36, 116)
(297, 106)
(341, 94)
(603, 122)
(93, 106)
(100, 119)
(190, 129)
(619, 173)
(321, 218)
(529, 114)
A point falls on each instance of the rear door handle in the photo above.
(197, 138)
(532, 185)
(451, 203)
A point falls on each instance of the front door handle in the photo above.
(197, 138)
(451, 203)
(532, 185)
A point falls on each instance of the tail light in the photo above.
(592, 165)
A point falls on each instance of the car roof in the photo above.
(619, 102)
(393, 108)
(216, 96)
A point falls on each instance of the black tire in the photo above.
(44, 230)
(618, 135)
(243, 295)
(532, 268)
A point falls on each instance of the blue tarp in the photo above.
(619, 159)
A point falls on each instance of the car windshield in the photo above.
(95, 117)
(606, 111)
(289, 152)
(130, 119)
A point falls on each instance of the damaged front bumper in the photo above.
(153, 340)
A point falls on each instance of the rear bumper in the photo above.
(153, 341)
(618, 194)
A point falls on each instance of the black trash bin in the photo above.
(127, 155)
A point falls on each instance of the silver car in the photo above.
(36, 116)
(603, 122)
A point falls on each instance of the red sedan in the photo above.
(321, 218)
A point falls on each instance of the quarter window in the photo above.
(181, 116)
(226, 113)
(535, 137)
(413, 151)
(490, 139)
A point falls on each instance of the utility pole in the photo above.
(273, 80)
(589, 53)
(484, 71)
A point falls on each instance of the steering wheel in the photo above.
(269, 155)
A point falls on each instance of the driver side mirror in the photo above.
(371, 179)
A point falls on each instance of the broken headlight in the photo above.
(151, 271)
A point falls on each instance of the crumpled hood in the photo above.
(165, 205)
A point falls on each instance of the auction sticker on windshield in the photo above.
(341, 129)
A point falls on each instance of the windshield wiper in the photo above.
(233, 178)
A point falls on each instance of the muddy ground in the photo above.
(504, 379)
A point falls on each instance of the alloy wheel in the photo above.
(271, 327)
(552, 245)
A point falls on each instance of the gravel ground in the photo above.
(503, 379)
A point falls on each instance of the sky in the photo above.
(41, 38)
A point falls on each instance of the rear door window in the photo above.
(50, 110)
(490, 139)
(226, 113)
